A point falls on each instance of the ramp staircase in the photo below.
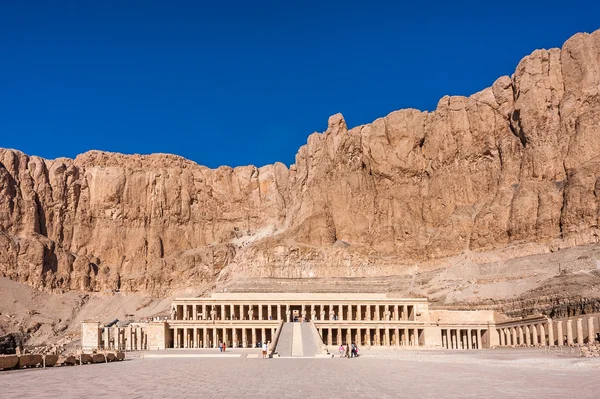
(284, 343)
(299, 340)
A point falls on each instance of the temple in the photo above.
(244, 320)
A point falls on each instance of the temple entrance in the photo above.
(296, 313)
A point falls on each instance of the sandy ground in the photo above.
(59, 316)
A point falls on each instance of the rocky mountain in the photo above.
(517, 163)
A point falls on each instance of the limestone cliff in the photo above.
(515, 163)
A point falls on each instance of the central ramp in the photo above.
(298, 340)
(284, 343)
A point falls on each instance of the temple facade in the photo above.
(245, 320)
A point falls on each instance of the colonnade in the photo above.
(373, 336)
(315, 312)
(462, 338)
(549, 332)
(123, 338)
(211, 336)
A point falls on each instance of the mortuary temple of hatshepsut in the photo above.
(244, 320)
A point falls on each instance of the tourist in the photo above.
(353, 350)
(348, 351)
(224, 346)
(220, 347)
(342, 350)
(264, 350)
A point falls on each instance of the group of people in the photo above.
(348, 350)
(263, 345)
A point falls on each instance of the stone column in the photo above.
(253, 337)
(591, 331)
(377, 312)
(514, 336)
(194, 312)
(205, 338)
(550, 333)
(278, 312)
(341, 312)
(453, 339)
(463, 337)
(501, 333)
(118, 338)
(244, 338)
(329, 336)
(412, 337)
(234, 338)
(569, 332)
(263, 334)
(185, 312)
(204, 312)
(469, 339)
(215, 343)
(535, 334)
(348, 336)
(194, 337)
(479, 346)
(242, 315)
(396, 312)
(542, 332)
(312, 311)
(231, 312)
(580, 331)
(368, 312)
(405, 337)
(175, 338)
(260, 311)
(339, 336)
(359, 313)
(396, 337)
(387, 337)
(405, 312)
(357, 337)
(559, 332)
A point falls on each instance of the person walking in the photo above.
(224, 346)
(342, 350)
(348, 351)
(265, 347)
(220, 346)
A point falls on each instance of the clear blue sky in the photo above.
(245, 82)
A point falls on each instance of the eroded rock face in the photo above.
(515, 163)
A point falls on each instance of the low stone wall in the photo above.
(9, 362)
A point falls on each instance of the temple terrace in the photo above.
(245, 320)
